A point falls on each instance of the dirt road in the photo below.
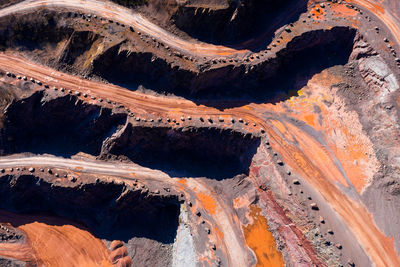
(359, 220)
(116, 12)
(362, 225)
(386, 17)
(93, 167)
(234, 247)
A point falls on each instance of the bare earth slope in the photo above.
(199, 133)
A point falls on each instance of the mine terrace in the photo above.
(199, 133)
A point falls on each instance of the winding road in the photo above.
(388, 19)
(127, 16)
(234, 248)
(124, 15)
(359, 220)
(370, 237)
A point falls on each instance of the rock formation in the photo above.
(199, 133)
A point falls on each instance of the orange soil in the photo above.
(344, 10)
(220, 234)
(318, 15)
(53, 243)
(261, 241)
(65, 245)
(207, 202)
(317, 153)
(374, 6)
(355, 214)
(17, 251)
(320, 174)
(341, 131)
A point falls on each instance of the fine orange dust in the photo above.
(18, 251)
(220, 234)
(310, 119)
(348, 144)
(343, 10)
(355, 214)
(318, 15)
(232, 52)
(239, 202)
(208, 202)
(182, 183)
(65, 245)
(370, 5)
(317, 154)
(282, 129)
(357, 217)
(355, 152)
(347, 13)
(261, 241)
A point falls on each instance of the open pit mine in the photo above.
(199, 133)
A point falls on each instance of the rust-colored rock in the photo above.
(212, 133)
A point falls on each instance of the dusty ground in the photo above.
(136, 137)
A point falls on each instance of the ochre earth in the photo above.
(199, 133)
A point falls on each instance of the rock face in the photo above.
(220, 21)
(112, 211)
(180, 151)
(199, 133)
(73, 125)
(230, 21)
(245, 83)
(106, 133)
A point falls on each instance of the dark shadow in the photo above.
(201, 152)
(224, 87)
(63, 126)
(97, 208)
(274, 80)
(282, 77)
(17, 219)
(247, 24)
(32, 31)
